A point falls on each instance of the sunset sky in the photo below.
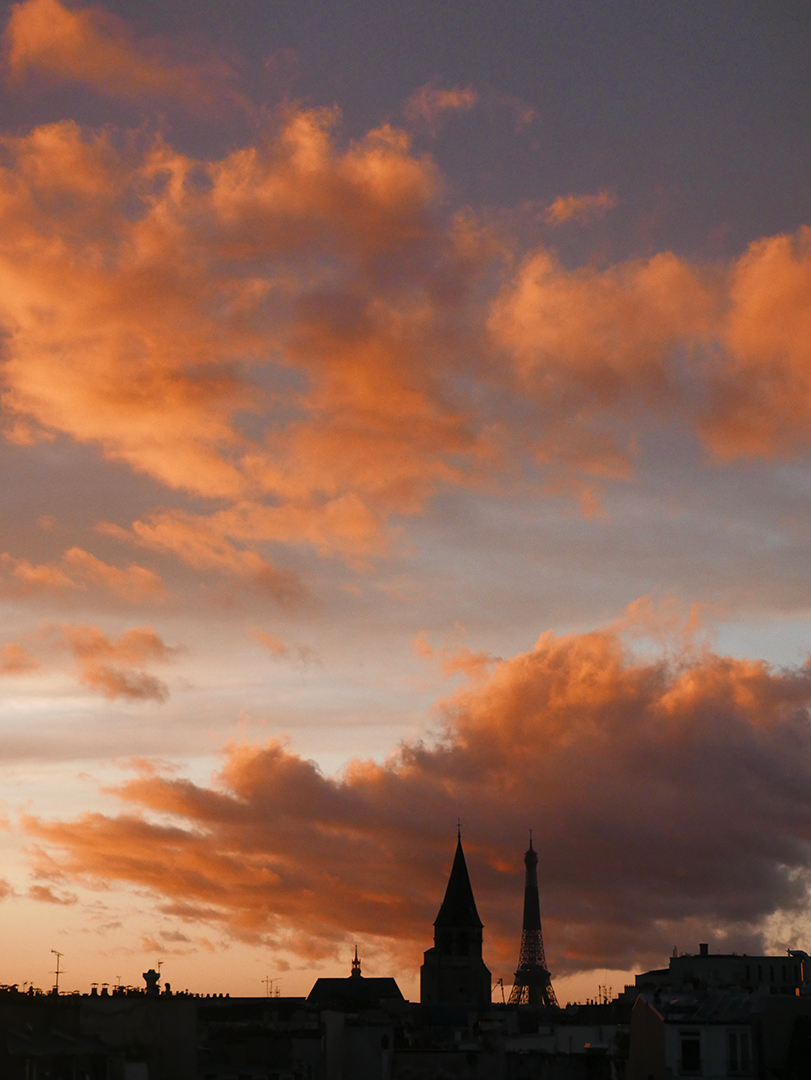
(406, 416)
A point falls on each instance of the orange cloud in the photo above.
(87, 45)
(454, 658)
(298, 331)
(579, 207)
(190, 312)
(113, 666)
(280, 651)
(428, 104)
(24, 576)
(598, 338)
(135, 583)
(45, 895)
(78, 569)
(14, 660)
(762, 387)
(618, 763)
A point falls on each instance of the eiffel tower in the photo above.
(533, 983)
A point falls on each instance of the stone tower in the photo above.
(453, 972)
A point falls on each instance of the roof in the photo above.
(458, 907)
(354, 990)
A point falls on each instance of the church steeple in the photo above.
(453, 972)
(459, 907)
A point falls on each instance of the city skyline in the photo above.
(405, 418)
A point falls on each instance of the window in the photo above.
(739, 1058)
(746, 1057)
(690, 1052)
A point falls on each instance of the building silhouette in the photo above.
(355, 991)
(453, 972)
(708, 1016)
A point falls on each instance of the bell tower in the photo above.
(453, 972)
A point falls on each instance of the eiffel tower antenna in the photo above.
(533, 983)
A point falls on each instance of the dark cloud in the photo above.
(669, 800)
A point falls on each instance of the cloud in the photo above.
(579, 207)
(44, 894)
(429, 103)
(454, 658)
(22, 576)
(281, 651)
(14, 660)
(617, 762)
(90, 46)
(113, 666)
(761, 388)
(77, 570)
(596, 339)
(298, 336)
(110, 666)
(280, 329)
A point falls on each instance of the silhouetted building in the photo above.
(453, 972)
(720, 1034)
(533, 985)
(356, 991)
(786, 974)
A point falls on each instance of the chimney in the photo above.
(703, 949)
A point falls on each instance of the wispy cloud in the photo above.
(579, 207)
(88, 45)
(428, 105)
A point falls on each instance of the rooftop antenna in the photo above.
(58, 971)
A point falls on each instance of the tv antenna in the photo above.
(59, 971)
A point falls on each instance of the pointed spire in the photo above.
(356, 965)
(458, 908)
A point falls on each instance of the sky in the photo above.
(406, 417)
